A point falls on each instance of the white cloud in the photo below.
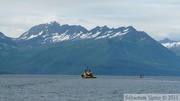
(159, 18)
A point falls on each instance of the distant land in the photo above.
(52, 48)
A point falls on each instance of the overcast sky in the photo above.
(159, 18)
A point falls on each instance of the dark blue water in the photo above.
(74, 88)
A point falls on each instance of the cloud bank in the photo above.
(159, 18)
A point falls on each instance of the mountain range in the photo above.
(53, 32)
(52, 48)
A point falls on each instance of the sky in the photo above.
(159, 18)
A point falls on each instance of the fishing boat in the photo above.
(141, 76)
(88, 74)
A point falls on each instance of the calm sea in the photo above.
(74, 88)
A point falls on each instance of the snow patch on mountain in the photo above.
(126, 30)
(170, 45)
(33, 36)
(57, 38)
(2, 37)
(143, 39)
(105, 36)
(84, 36)
(76, 35)
(117, 34)
(45, 35)
(3, 44)
(24, 36)
(95, 35)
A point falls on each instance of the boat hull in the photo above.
(83, 76)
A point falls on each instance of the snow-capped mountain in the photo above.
(171, 45)
(53, 32)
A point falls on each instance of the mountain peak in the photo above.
(166, 40)
(104, 26)
(131, 28)
(54, 22)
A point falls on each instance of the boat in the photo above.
(88, 74)
(141, 76)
